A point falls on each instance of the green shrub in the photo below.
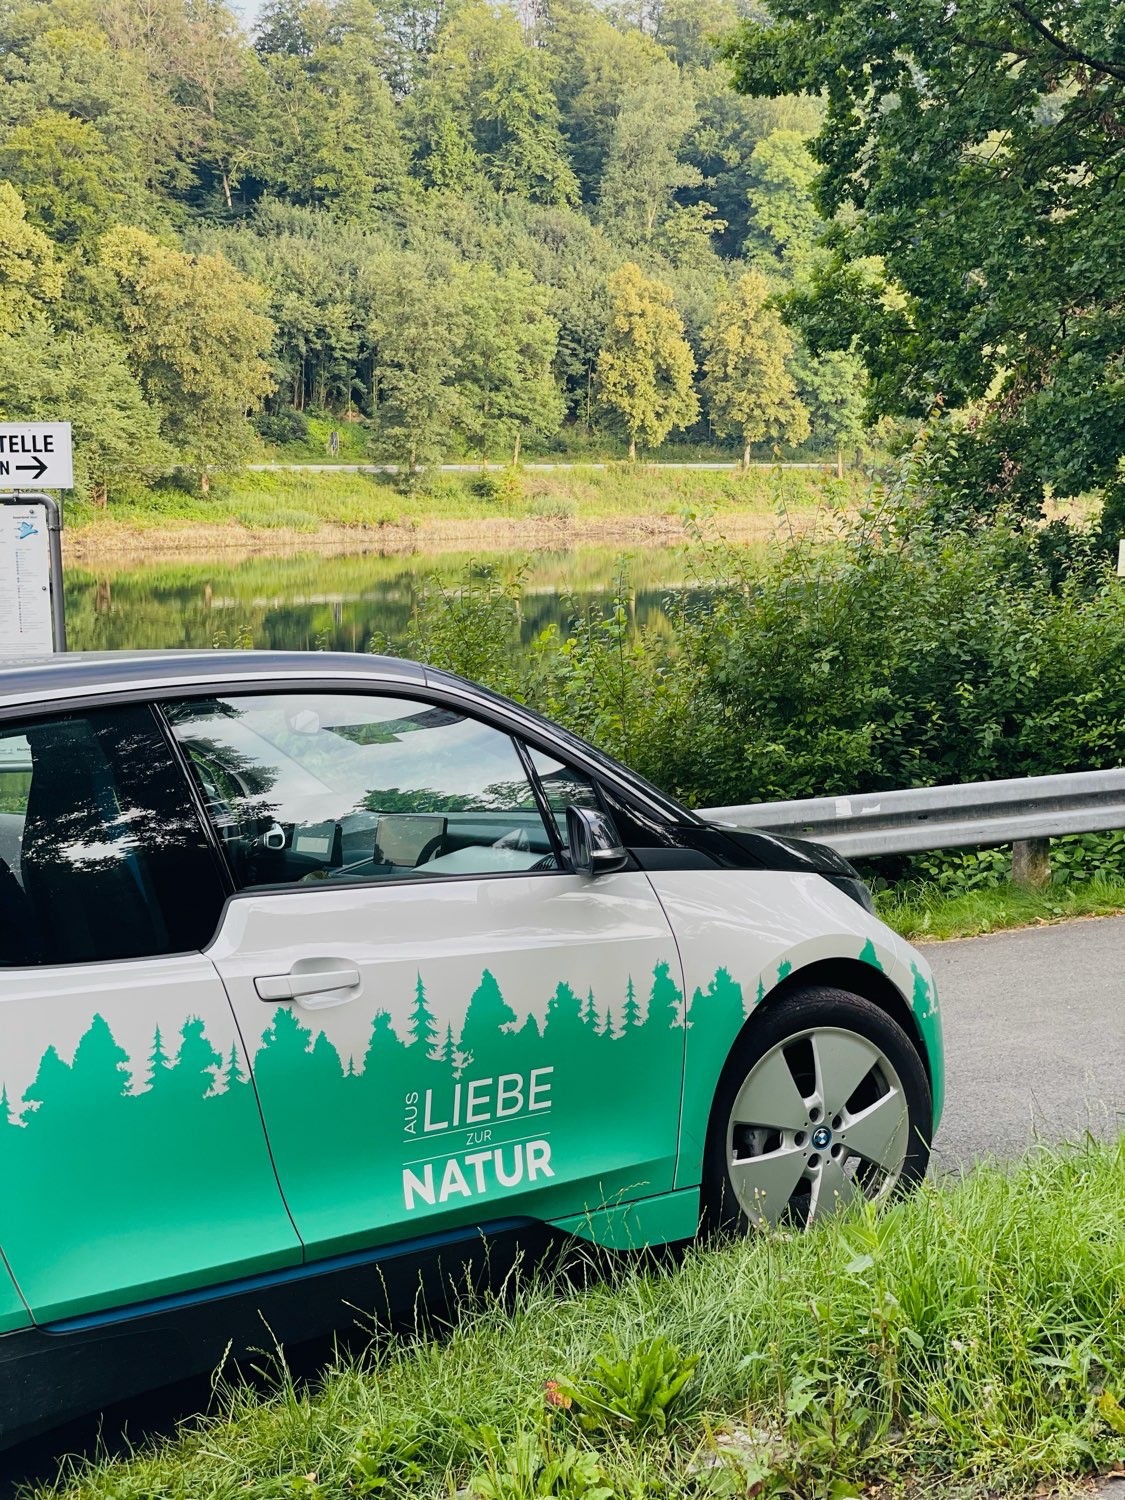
(895, 655)
(552, 507)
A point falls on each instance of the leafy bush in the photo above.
(490, 485)
(283, 426)
(552, 508)
(894, 655)
(1076, 859)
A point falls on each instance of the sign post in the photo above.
(32, 618)
(33, 456)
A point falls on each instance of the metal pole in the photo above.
(54, 542)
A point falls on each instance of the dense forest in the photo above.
(449, 226)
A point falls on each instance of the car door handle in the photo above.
(313, 989)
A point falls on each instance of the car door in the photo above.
(446, 1026)
(133, 1161)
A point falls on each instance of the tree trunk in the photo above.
(204, 482)
(746, 458)
(100, 494)
(516, 450)
(839, 463)
(632, 450)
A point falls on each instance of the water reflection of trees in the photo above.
(339, 603)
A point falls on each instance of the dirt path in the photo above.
(119, 543)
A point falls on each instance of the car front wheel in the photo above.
(823, 1100)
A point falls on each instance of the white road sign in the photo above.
(25, 582)
(35, 456)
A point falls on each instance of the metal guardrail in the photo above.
(945, 817)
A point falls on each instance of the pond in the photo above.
(308, 602)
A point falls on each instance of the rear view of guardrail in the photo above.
(1024, 812)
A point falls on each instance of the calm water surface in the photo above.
(306, 602)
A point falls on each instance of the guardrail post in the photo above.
(1031, 863)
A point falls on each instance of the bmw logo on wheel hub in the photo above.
(822, 1138)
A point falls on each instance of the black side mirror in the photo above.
(592, 841)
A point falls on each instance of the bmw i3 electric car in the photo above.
(318, 971)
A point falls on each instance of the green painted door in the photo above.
(133, 1162)
(445, 1024)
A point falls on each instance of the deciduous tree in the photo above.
(646, 367)
(30, 273)
(505, 382)
(197, 339)
(749, 387)
(83, 378)
(980, 154)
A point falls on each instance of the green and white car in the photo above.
(319, 972)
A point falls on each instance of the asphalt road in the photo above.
(1034, 1027)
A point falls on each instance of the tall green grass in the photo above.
(929, 912)
(306, 502)
(972, 1335)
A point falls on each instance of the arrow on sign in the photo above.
(37, 469)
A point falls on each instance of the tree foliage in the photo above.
(646, 365)
(31, 276)
(116, 432)
(196, 339)
(403, 213)
(973, 163)
(748, 382)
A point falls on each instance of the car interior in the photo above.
(297, 795)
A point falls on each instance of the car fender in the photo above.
(748, 936)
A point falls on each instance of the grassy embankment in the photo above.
(930, 915)
(509, 505)
(971, 1337)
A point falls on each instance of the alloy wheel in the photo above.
(821, 1119)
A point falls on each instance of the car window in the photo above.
(562, 787)
(308, 787)
(102, 855)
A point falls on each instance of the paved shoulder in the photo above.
(1035, 1036)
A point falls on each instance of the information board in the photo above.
(26, 618)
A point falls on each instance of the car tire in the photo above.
(824, 1098)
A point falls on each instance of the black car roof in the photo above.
(80, 673)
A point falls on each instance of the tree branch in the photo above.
(1075, 54)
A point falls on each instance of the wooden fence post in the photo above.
(1031, 863)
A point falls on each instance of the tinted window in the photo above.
(101, 853)
(307, 787)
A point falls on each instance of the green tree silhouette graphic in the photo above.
(631, 1015)
(868, 955)
(719, 1007)
(488, 1016)
(189, 1122)
(425, 1033)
